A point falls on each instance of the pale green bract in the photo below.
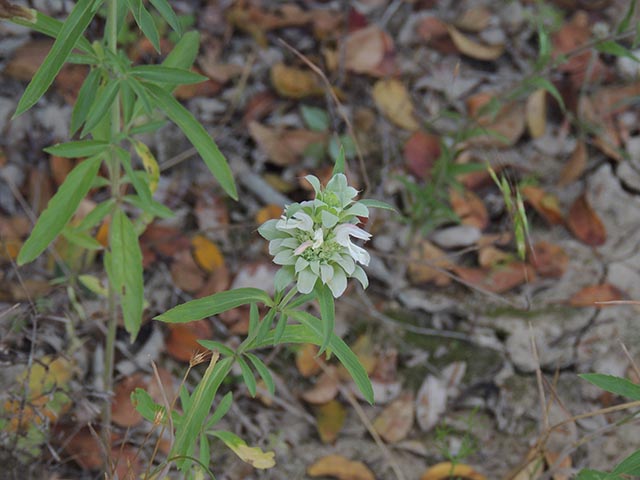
(313, 239)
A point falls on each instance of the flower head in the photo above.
(313, 239)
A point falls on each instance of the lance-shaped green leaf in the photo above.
(613, 384)
(124, 267)
(247, 376)
(327, 314)
(214, 304)
(86, 96)
(103, 102)
(198, 136)
(164, 8)
(162, 74)
(199, 406)
(263, 371)
(60, 209)
(372, 203)
(67, 37)
(629, 466)
(145, 21)
(50, 27)
(80, 148)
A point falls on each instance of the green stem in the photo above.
(290, 294)
(113, 167)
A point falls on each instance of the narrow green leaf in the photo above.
(81, 239)
(587, 474)
(205, 450)
(616, 385)
(327, 314)
(126, 270)
(60, 209)
(199, 406)
(614, 48)
(141, 187)
(145, 21)
(265, 324)
(153, 208)
(147, 127)
(185, 51)
(164, 9)
(96, 215)
(214, 304)
(247, 376)
(629, 466)
(371, 203)
(339, 165)
(198, 136)
(221, 410)
(280, 328)
(143, 97)
(67, 37)
(214, 345)
(127, 100)
(254, 319)
(626, 20)
(86, 96)
(315, 118)
(545, 84)
(263, 371)
(80, 148)
(162, 74)
(50, 27)
(145, 405)
(103, 102)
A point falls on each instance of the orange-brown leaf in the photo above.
(585, 223)
(341, 468)
(588, 296)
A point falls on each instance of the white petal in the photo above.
(306, 281)
(283, 278)
(359, 254)
(360, 274)
(284, 258)
(338, 283)
(345, 261)
(269, 230)
(326, 273)
(315, 183)
(301, 264)
(328, 219)
(317, 238)
(302, 247)
(348, 229)
(315, 266)
(274, 246)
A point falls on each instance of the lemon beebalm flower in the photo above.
(313, 240)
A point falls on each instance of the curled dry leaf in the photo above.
(585, 223)
(545, 204)
(504, 129)
(421, 151)
(123, 413)
(206, 254)
(306, 361)
(469, 208)
(548, 260)
(588, 296)
(499, 279)
(330, 419)
(325, 389)
(574, 168)
(473, 49)
(396, 420)
(369, 50)
(294, 82)
(284, 147)
(341, 468)
(537, 113)
(425, 256)
(431, 402)
(447, 470)
(393, 100)
(182, 341)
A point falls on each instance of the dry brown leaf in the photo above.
(548, 259)
(27, 59)
(185, 272)
(475, 19)
(469, 208)
(585, 224)
(182, 341)
(284, 147)
(434, 32)
(588, 296)
(330, 419)
(393, 100)
(325, 388)
(537, 113)
(473, 49)
(306, 361)
(574, 168)
(499, 279)
(431, 402)
(294, 82)
(258, 107)
(396, 420)
(503, 130)
(257, 21)
(532, 470)
(209, 88)
(206, 254)
(85, 449)
(166, 240)
(490, 256)
(60, 168)
(447, 470)
(123, 412)
(341, 468)
(364, 349)
(425, 256)
(421, 151)
(269, 212)
(562, 467)
(545, 204)
(369, 50)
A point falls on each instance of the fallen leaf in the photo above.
(490, 256)
(421, 151)
(561, 468)
(575, 166)
(503, 129)
(325, 388)
(585, 224)
(393, 100)
(549, 260)
(434, 32)
(294, 82)
(254, 456)
(257, 21)
(282, 146)
(341, 468)
(123, 413)
(167, 241)
(126, 463)
(258, 107)
(369, 50)
(330, 419)
(395, 421)
(268, 213)
(427, 263)
(209, 88)
(206, 254)
(431, 402)
(185, 273)
(500, 278)
(469, 208)
(447, 470)
(60, 168)
(473, 49)
(537, 113)
(474, 19)
(27, 58)
(182, 341)
(588, 296)
(85, 449)
(306, 361)
(545, 204)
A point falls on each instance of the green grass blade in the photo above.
(126, 270)
(613, 384)
(214, 304)
(195, 132)
(67, 37)
(60, 209)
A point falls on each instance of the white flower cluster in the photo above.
(312, 239)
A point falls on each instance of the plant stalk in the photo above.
(111, 34)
